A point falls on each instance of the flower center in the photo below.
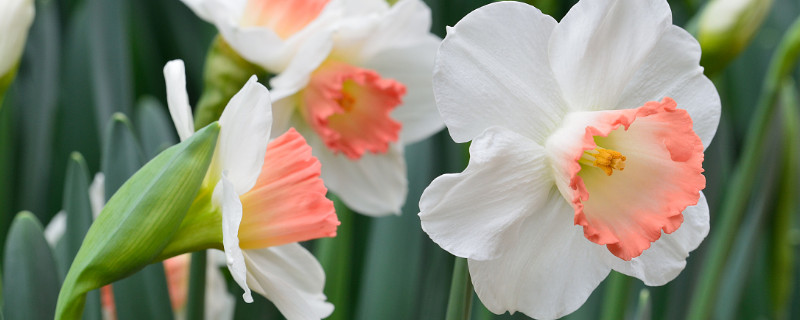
(350, 108)
(606, 159)
(285, 17)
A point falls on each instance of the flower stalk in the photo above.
(744, 175)
(459, 304)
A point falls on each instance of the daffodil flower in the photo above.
(360, 96)
(269, 32)
(267, 196)
(587, 149)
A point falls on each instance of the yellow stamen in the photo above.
(606, 159)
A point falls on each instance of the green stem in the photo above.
(781, 259)
(738, 189)
(195, 303)
(336, 257)
(459, 304)
(616, 296)
(224, 75)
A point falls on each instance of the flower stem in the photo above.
(459, 304)
(616, 296)
(197, 286)
(738, 189)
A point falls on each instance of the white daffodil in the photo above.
(269, 32)
(269, 197)
(587, 145)
(362, 95)
(16, 17)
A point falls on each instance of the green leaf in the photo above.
(459, 304)
(30, 271)
(155, 128)
(139, 220)
(122, 155)
(34, 107)
(78, 210)
(143, 295)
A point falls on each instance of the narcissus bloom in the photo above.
(267, 196)
(362, 94)
(269, 32)
(586, 156)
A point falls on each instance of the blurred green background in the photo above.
(86, 60)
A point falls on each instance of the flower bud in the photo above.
(139, 220)
(16, 17)
(726, 28)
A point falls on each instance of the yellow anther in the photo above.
(606, 159)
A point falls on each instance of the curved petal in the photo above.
(246, 124)
(178, 99)
(599, 45)
(548, 271)
(298, 73)
(291, 278)
(672, 69)
(373, 27)
(667, 257)
(374, 185)
(412, 66)
(470, 214)
(485, 77)
(225, 195)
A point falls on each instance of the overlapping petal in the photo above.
(246, 124)
(412, 67)
(374, 185)
(600, 45)
(485, 78)
(225, 194)
(475, 214)
(672, 69)
(290, 277)
(666, 257)
(548, 271)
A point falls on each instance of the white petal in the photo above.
(672, 69)
(473, 214)
(412, 66)
(372, 27)
(666, 257)
(225, 195)
(56, 228)
(97, 194)
(599, 46)
(492, 70)
(374, 185)
(246, 124)
(16, 17)
(297, 74)
(549, 271)
(178, 99)
(291, 278)
(215, 11)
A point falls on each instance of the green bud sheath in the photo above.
(224, 75)
(139, 221)
(726, 28)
